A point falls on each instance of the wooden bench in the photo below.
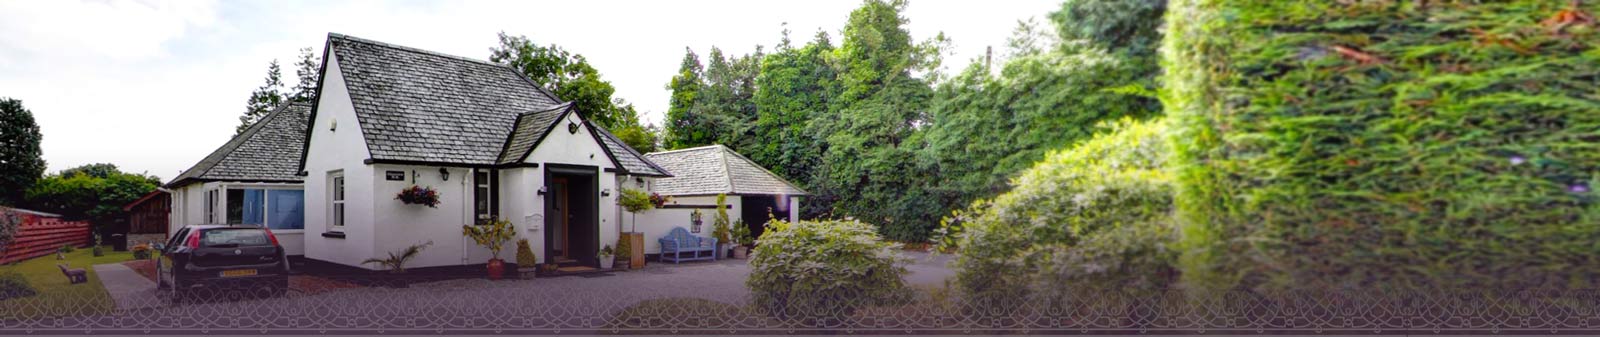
(75, 276)
(679, 243)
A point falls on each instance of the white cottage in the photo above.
(493, 145)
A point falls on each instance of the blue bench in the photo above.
(678, 243)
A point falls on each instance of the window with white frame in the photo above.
(336, 190)
(211, 206)
(483, 195)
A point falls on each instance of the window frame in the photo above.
(337, 211)
(266, 204)
(491, 190)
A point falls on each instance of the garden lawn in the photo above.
(55, 296)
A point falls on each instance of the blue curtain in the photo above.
(288, 209)
(252, 207)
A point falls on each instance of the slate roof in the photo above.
(530, 128)
(629, 159)
(268, 151)
(716, 169)
(421, 106)
(417, 105)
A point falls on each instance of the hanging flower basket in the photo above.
(658, 200)
(418, 195)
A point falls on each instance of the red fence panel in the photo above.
(42, 236)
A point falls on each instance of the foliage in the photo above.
(1129, 28)
(824, 267)
(94, 192)
(21, 161)
(263, 100)
(307, 68)
(605, 252)
(657, 200)
(525, 257)
(741, 234)
(716, 105)
(625, 251)
(719, 222)
(634, 200)
(13, 285)
(568, 75)
(793, 89)
(1097, 214)
(419, 195)
(870, 129)
(492, 235)
(640, 138)
(1365, 144)
(141, 251)
(66, 248)
(396, 263)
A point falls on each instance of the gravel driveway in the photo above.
(553, 304)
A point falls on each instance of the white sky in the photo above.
(154, 86)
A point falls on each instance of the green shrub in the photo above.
(525, 257)
(824, 267)
(1098, 214)
(719, 222)
(14, 285)
(1385, 143)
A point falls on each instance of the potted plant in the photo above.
(396, 262)
(719, 227)
(493, 235)
(527, 263)
(635, 201)
(606, 257)
(742, 240)
(419, 195)
(141, 251)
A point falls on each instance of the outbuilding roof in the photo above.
(268, 151)
(716, 169)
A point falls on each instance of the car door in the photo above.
(164, 260)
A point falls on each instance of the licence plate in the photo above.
(239, 272)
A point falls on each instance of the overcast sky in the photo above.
(154, 86)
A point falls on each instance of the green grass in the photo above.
(55, 296)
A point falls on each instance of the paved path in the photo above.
(127, 288)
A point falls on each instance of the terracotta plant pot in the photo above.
(497, 268)
(740, 252)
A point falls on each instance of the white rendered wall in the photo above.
(656, 223)
(398, 225)
(563, 147)
(342, 148)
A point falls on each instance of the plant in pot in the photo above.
(719, 227)
(742, 238)
(527, 263)
(625, 252)
(492, 234)
(396, 262)
(635, 201)
(606, 256)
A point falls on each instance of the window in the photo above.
(483, 195)
(336, 188)
(211, 206)
(271, 208)
(234, 237)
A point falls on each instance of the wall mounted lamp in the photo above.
(605, 192)
(444, 174)
(544, 190)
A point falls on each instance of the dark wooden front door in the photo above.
(562, 219)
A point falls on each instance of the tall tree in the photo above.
(307, 69)
(871, 129)
(727, 100)
(263, 100)
(567, 74)
(21, 161)
(794, 87)
(683, 126)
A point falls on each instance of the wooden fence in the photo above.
(42, 236)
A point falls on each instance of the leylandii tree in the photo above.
(1386, 143)
(21, 163)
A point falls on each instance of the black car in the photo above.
(206, 260)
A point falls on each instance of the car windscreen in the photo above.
(234, 237)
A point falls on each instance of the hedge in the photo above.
(1386, 143)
